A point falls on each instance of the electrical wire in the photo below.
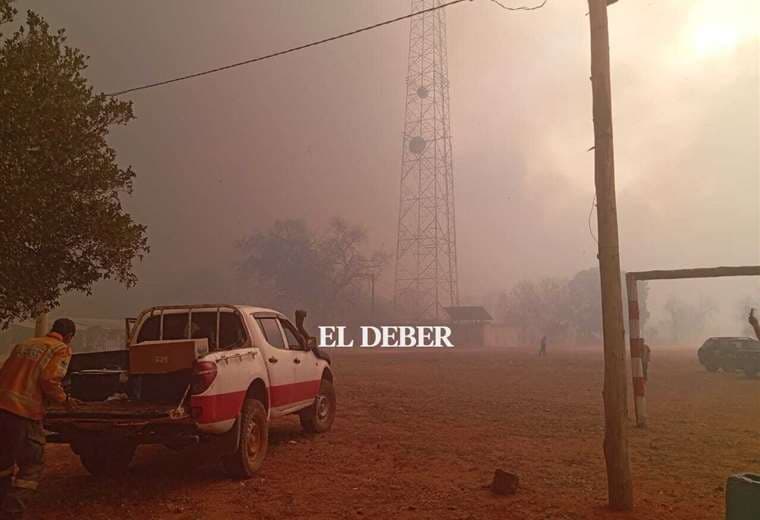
(521, 8)
(591, 212)
(287, 51)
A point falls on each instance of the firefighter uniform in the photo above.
(31, 376)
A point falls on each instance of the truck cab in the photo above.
(211, 374)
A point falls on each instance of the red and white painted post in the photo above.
(637, 347)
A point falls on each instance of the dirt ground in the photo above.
(420, 433)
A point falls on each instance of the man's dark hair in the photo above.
(64, 327)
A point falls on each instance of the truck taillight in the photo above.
(204, 374)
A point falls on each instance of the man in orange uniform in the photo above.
(31, 375)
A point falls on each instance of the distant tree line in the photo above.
(563, 309)
(684, 322)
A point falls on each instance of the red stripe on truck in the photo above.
(223, 407)
(294, 392)
(214, 408)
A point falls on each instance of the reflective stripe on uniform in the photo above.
(63, 364)
(6, 472)
(34, 375)
(25, 484)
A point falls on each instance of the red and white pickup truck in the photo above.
(195, 374)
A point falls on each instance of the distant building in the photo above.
(472, 326)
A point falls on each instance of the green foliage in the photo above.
(62, 224)
(7, 11)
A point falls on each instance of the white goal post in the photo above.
(637, 342)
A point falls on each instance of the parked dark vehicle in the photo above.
(749, 359)
(731, 354)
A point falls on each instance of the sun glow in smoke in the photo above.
(717, 28)
(713, 38)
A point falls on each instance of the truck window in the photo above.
(204, 326)
(291, 336)
(271, 332)
(150, 329)
(175, 326)
(231, 332)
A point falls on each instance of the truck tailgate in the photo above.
(116, 410)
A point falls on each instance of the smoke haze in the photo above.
(318, 134)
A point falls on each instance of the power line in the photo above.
(591, 212)
(521, 8)
(287, 51)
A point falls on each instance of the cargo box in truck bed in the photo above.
(166, 356)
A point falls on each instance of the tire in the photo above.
(107, 458)
(750, 371)
(712, 366)
(318, 418)
(253, 443)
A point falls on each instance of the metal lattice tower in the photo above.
(426, 253)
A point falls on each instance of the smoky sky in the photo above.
(318, 133)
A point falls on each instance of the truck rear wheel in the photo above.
(750, 370)
(253, 443)
(107, 458)
(318, 418)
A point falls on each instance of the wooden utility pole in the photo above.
(619, 484)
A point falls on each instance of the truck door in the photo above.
(281, 363)
(308, 371)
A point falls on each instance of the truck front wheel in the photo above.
(318, 418)
(106, 458)
(253, 443)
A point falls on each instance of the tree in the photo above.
(536, 308)
(687, 320)
(520, 308)
(345, 262)
(62, 224)
(293, 267)
(284, 265)
(585, 304)
(7, 12)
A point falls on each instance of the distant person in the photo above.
(646, 353)
(542, 349)
(30, 377)
(753, 322)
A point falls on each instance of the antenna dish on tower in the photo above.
(417, 145)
